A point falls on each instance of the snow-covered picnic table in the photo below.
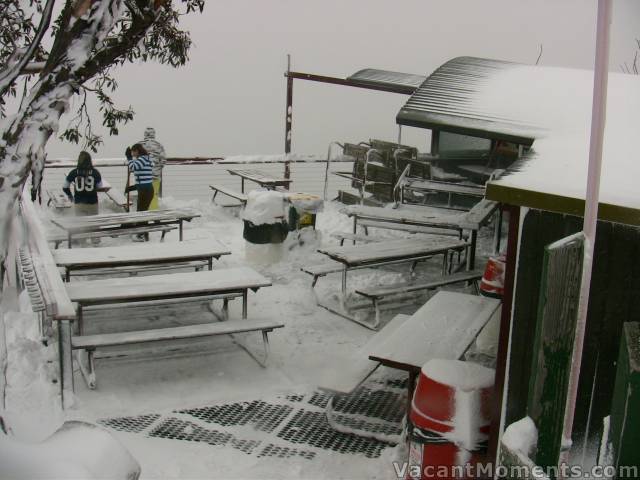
(122, 223)
(395, 251)
(444, 327)
(260, 178)
(175, 285)
(472, 220)
(139, 255)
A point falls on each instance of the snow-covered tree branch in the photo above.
(90, 39)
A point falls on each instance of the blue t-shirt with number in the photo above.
(85, 185)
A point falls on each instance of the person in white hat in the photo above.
(158, 157)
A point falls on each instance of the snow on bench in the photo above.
(322, 269)
(355, 237)
(59, 199)
(378, 292)
(357, 367)
(90, 343)
(229, 193)
(60, 236)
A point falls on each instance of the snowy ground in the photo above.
(207, 409)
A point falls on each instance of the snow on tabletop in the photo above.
(521, 436)
(458, 374)
(265, 207)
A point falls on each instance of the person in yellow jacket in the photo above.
(158, 157)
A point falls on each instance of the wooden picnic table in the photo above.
(471, 220)
(114, 222)
(444, 328)
(151, 254)
(169, 286)
(260, 178)
(387, 253)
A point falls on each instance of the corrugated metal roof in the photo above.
(372, 76)
(453, 98)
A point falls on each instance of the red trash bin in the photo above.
(449, 419)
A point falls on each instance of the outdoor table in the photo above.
(138, 255)
(391, 252)
(444, 327)
(115, 222)
(472, 220)
(260, 178)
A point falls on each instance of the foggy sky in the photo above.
(230, 98)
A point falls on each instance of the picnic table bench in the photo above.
(241, 197)
(444, 327)
(139, 255)
(90, 343)
(123, 223)
(378, 292)
(218, 284)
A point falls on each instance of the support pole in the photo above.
(598, 119)
(288, 121)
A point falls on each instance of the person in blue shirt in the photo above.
(86, 182)
(142, 168)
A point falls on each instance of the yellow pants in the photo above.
(156, 194)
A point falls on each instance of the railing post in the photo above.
(66, 362)
(288, 121)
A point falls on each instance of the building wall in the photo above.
(615, 291)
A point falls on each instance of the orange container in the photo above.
(492, 283)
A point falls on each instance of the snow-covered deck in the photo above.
(206, 409)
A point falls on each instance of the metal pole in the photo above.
(288, 121)
(326, 172)
(598, 119)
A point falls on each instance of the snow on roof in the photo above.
(548, 107)
(553, 175)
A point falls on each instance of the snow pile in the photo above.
(265, 207)
(77, 450)
(32, 390)
(521, 437)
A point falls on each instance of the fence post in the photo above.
(66, 362)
